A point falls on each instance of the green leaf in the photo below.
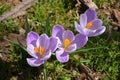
(12, 42)
(45, 73)
(27, 24)
(47, 25)
(87, 49)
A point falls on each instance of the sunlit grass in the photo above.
(105, 60)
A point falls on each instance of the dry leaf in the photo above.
(82, 76)
(116, 15)
(89, 3)
(16, 2)
(115, 19)
(18, 37)
(21, 7)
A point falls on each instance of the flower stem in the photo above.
(45, 73)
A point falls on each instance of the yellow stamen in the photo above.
(35, 49)
(89, 24)
(41, 51)
(66, 43)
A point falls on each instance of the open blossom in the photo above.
(68, 42)
(40, 48)
(90, 25)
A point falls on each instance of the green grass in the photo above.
(55, 11)
(100, 53)
(4, 7)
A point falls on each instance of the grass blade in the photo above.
(87, 49)
(47, 25)
(27, 24)
(12, 42)
(45, 73)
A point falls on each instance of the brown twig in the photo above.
(17, 9)
(88, 3)
(87, 71)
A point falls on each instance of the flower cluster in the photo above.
(62, 42)
(90, 25)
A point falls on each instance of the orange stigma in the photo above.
(89, 24)
(41, 51)
(35, 49)
(66, 43)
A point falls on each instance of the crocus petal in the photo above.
(31, 37)
(80, 40)
(33, 43)
(47, 55)
(78, 27)
(38, 43)
(83, 20)
(44, 41)
(34, 62)
(57, 31)
(62, 56)
(60, 43)
(91, 15)
(53, 44)
(30, 49)
(68, 35)
(71, 48)
(97, 32)
(96, 24)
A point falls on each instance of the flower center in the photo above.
(89, 24)
(35, 49)
(66, 43)
(41, 51)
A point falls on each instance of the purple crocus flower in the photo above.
(68, 43)
(90, 25)
(40, 48)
